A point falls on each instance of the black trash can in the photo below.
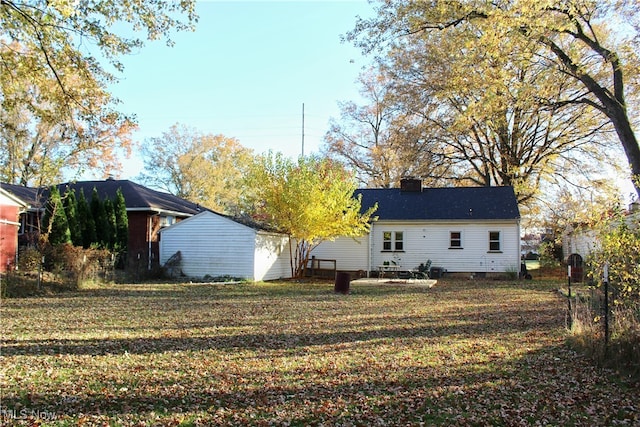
(342, 282)
(436, 272)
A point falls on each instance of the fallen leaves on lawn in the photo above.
(463, 353)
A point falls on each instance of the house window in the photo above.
(399, 243)
(393, 241)
(28, 223)
(386, 241)
(494, 241)
(167, 220)
(455, 240)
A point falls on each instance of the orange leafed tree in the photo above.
(58, 117)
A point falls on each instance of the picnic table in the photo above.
(388, 268)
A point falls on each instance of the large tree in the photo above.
(571, 38)
(43, 134)
(86, 221)
(103, 226)
(486, 115)
(55, 32)
(381, 140)
(203, 168)
(311, 199)
(71, 211)
(56, 111)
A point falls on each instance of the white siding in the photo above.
(214, 245)
(424, 241)
(350, 253)
(582, 241)
(432, 241)
(210, 244)
(272, 257)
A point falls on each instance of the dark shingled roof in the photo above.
(28, 195)
(454, 203)
(136, 196)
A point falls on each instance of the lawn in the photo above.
(460, 353)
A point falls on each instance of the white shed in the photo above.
(216, 245)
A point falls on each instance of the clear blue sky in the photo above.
(245, 73)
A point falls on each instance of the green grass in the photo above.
(461, 353)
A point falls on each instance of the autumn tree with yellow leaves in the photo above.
(311, 200)
(204, 168)
(520, 84)
(57, 59)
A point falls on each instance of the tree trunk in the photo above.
(629, 143)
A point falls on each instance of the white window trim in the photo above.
(489, 241)
(393, 240)
(461, 240)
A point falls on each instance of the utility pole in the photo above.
(303, 129)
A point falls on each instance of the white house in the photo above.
(460, 229)
(582, 239)
(216, 245)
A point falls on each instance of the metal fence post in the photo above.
(569, 296)
(606, 307)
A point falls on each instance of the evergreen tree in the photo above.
(100, 219)
(86, 222)
(54, 221)
(71, 210)
(122, 222)
(111, 222)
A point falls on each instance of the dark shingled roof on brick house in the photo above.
(27, 194)
(137, 197)
(452, 203)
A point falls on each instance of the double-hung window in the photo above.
(393, 241)
(455, 240)
(494, 241)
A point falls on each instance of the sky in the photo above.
(246, 72)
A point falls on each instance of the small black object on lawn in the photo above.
(436, 272)
(524, 273)
(342, 282)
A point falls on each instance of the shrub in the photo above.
(549, 255)
(619, 250)
(79, 264)
(622, 352)
(29, 259)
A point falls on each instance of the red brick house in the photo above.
(11, 207)
(148, 211)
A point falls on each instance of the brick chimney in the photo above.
(411, 185)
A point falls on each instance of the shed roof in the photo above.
(450, 203)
